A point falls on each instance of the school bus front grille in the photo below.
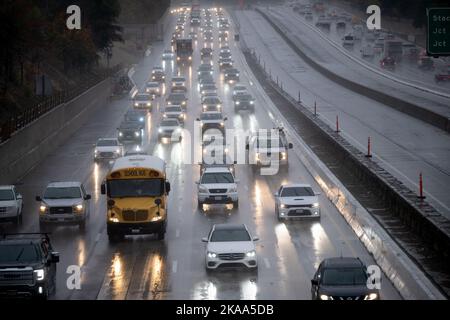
(135, 215)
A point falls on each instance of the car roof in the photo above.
(103, 139)
(296, 185)
(217, 169)
(229, 226)
(60, 184)
(342, 262)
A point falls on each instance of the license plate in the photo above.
(299, 211)
(218, 198)
(135, 231)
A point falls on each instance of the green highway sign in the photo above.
(438, 31)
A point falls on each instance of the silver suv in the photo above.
(64, 202)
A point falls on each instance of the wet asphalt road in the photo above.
(141, 267)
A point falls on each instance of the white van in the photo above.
(348, 40)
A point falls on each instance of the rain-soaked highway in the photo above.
(142, 267)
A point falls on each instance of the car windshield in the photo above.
(211, 100)
(344, 277)
(297, 192)
(239, 88)
(122, 188)
(6, 195)
(10, 253)
(107, 143)
(227, 235)
(142, 97)
(133, 117)
(269, 143)
(169, 123)
(217, 177)
(173, 109)
(62, 193)
(211, 116)
(176, 96)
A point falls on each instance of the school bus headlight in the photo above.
(115, 220)
(157, 218)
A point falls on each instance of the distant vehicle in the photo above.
(206, 53)
(379, 45)
(388, 63)
(11, 205)
(342, 279)
(296, 201)
(195, 21)
(231, 75)
(158, 75)
(229, 245)
(64, 202)
(170, 128)
(153, 88)
(107, 148)
(212, 120)
(223, 36)
(264, 149)
(177, 99)
(238, 89)
(443, 75)
(178, 81)
(348, 40)
(341, 24)
(323, 22)
(244, 101)
(410, 51)
(208, 36)
(394, 49)
(209, 89)
(217, 185)
(225, 63)
(193, 35)
(137, 116)
(142, 101)
(204, 69)
(308, 15)
(27, 266)
(140, 200)
(174, 112)
(168, 55)
(367, 51)
(205, 80)
(130, 131)
(224, 55)
(178, 89)
(184, 50)
(212, 103)
(425, 63)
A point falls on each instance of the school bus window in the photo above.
(135, 188)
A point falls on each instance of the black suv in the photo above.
(342, 279)
(27, 265)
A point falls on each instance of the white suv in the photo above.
(217, 185)
(296, 201)
(11, 204)
(64, 202)
(230, 245)
(108, 148)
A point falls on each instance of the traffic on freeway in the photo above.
(199, 181)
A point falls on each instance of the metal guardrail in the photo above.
(22, 119)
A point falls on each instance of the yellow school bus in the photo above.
(136, 189)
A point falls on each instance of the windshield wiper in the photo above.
(20, 254)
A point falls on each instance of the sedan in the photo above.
(229, 245)
(296, 201)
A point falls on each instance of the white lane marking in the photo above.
(97, 238)
(174, 266)
(177, 233)
(267, 263)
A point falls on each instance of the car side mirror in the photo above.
(198, 119)
(103, 188)
(247, 147)
(225, 119)
(255, 239)
(204, 239)
(38, 198)
(317, 193)
(314, 282)
(197, 182)
(276, 194)
(290, 145)
(236, 180)
(87, 197)
(167, 186)
(54, 257)
(19, 196)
